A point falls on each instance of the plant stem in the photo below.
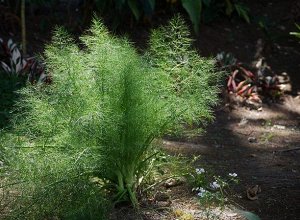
(23, 27)
(120, 181)
(159, 182)
(132, 196)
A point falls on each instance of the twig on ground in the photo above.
(288, 150)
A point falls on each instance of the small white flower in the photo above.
(202, 190)
(232, 174)
(200, 194)
(200, 170)
(214, 185)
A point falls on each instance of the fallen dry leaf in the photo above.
(252, 192)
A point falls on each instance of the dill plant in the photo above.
(192, 81)
(89, 134)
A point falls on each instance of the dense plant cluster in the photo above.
(89, 134)
(211, 189)
(251, 85)
(13, 63)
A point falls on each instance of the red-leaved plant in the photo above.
(15, 64)
(249, 85)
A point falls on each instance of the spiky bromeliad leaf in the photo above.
(98, 118)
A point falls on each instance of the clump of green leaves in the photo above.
(89, 134)
(208, 10)
(197, 10)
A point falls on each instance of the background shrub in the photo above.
(88, 135)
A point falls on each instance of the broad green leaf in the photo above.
(296, 34)
(248, 215)
(152, 4)
(193, 8)
(206, 2)
(100, 5)
(229, 7)
(148, 6)
(242, 11)
(134, 9)
(119, 4)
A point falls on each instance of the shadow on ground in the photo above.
(270, 159)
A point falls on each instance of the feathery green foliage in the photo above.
(89, 134)
(192, 81)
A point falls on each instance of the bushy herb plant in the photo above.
(89, 134)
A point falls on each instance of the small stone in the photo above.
(173, 182)
(219, 146)
(283, 78)
(252, 139)
(232, 214)
(253, 103)
(285, 87)
(279, 127)
(252, 192)
(243, 122)
(163, 203)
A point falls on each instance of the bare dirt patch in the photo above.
(263, 148)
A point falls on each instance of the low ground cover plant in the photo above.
(86, 140)
(211, 189)
(253, 85)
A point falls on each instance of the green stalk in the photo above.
(132, 196)
(120, 181)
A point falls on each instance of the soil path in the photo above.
(262, 147)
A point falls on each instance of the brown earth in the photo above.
(263, 148)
